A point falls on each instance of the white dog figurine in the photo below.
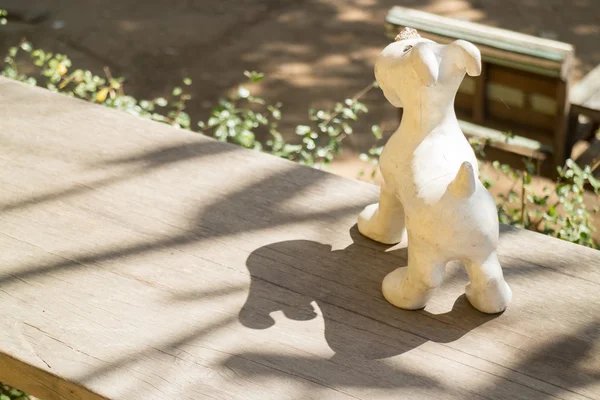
(431, 180)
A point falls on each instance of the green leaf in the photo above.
(256, 100)
(322, 152)
(530, 167)
(347, 128)
(275, 112)
(310, 144)
(594, 182)
(26, 46)
(187, 81)
(302, 130)
(158, 117)
(292, 148)
(376, 129)
(348, 113)
(183, 120)
(14, 393)
(177, 91)
(243, 92)
(254, 76)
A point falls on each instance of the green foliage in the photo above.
(10, 393)
(53, 71)
(241, 117)
(560, 211)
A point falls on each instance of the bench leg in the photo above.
(572, 130)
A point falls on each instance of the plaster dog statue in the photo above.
(431, 195)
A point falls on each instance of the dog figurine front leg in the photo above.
(383, 221)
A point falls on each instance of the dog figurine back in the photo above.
(431, 195)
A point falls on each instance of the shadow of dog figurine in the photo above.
(291, 276)
(431, 190)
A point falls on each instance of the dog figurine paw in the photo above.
(431, 193)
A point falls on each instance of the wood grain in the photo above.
(143, 262)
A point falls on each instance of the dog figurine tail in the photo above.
(463, 186)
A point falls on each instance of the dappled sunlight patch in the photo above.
(586, 29)
(354, 14)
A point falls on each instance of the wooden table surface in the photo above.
(142, 262)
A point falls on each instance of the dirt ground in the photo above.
(313, 52)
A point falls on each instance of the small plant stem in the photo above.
(357, 96)
(537, 223)
(110, 79)
(506, 197)
(180, 107)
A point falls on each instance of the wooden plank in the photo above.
(480, 92)
(593, 113)
(464, 102)
(519, 144)
(503, 39)
(562, 141)
(143, 262)
(586, 88)
(516, 115)
(591, 156)
(498, 46)
(495, 56)
(527, 82)
(593, 103)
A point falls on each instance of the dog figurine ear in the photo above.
(468, 57)
(425, 64)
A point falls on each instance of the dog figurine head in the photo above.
(413, 64)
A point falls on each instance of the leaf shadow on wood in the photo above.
(568, 363)
(215, 212)
(141, 163)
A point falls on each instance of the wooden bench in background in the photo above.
(523, 87)
(139, 261)
(585, 102)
